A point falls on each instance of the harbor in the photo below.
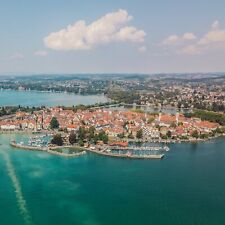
(134, 152)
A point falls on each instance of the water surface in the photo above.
(36, 98)
(187, 187)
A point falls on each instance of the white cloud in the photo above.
(190, 50)
(172, 39)
(175, 39)
(215, 24)
(17, 56)
(142, 49)
(41, 53)
(214, 36)
(189, 37)
(109, 28)
(188, 43)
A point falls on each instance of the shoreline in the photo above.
(160, 141)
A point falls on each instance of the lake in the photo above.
(187, 187)
(35, 98)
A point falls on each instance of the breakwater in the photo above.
(158, 156)
(47, 149)
(51, 150)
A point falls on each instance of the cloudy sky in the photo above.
(113, 36)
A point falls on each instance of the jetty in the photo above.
(46, 149)
(142, 148)
(104, 152)
(129, 156)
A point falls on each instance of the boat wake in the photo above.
(21, 202)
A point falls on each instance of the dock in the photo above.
(84, 150)
(46, 149)
(143, 148)
(128, 156)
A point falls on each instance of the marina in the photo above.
(142, 148)
(36, 143)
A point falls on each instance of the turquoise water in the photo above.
(187, 187)
(35, 98)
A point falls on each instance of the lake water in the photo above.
(35, 98)
(187, 187)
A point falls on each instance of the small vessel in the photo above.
(166, 148)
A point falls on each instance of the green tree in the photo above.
(91, 133)
(139, 134)
(81, 133)
(57, 140)
(204, 136)
(164, 137)
(103, 137)
(169, 134)
(130, 135)
(72, 138)
(81, 143)
(150, 120)
(121, 135)
(54, 124)
(195, 134)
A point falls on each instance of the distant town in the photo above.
(199, 91)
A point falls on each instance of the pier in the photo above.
(158, 156)
(143, 148)
(47, 149)
(83, 151)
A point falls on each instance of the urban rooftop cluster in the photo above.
(123, 124)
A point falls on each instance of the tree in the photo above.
(72, 138)
(169, 134)
(195, 134)
(81, 143)
(130, 135)
(164, 137)
(105, 138)
(91, 133)
(204, 136)
(81, 133)
(54, 124)
(121, 135)
(102, 136)
(139, 134)
(150, 120)
(57, 140)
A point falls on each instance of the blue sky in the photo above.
(129, 36)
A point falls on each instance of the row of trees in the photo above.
(8, 110)
(139, 135)
(209, 116)
(81, 136)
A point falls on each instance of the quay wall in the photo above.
(160, 156)
(45, 149)
(51, 151)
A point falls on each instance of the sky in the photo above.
(113, 36)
